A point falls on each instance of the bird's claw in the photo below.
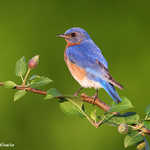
(94, 98)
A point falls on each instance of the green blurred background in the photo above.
(29, 27)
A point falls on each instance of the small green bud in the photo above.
(141, 146)
(33, 62)
(9, 84)
(123, 128)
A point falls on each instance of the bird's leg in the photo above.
(78, 91)
(95, 96)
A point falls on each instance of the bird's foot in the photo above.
(95, 96)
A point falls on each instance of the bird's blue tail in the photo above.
(109, 88)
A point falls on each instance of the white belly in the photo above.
(86, 83)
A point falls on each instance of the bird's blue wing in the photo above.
(91, 50)
(87, 51)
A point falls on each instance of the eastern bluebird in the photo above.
(87, 64)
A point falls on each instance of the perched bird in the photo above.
(87, 64)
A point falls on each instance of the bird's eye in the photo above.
(73, 34)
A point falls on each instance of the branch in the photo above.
(99, 103)
(41, 92)
(84, 97)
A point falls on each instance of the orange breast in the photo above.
(77, 72)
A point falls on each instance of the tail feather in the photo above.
(109, 88)
(115, 83)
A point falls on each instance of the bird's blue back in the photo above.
(85, 54)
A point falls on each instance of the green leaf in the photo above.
(39, 81)
(73, 106)
(52, 93)
(19, 94)
(124, 105)
(133, 118)
(9, 84)
(68, 108)
(21, 67)
(147, 117)
(34, 77)
(133, 138)
(75, 101)
(141, 146)
(147, 124)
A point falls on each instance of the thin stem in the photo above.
(21, 78)
(87, 117)
(26, 76)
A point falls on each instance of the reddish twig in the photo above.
(97, 102)
(31, 90)
(1, 83)
(84, 97)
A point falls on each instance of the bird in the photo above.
(87, 64)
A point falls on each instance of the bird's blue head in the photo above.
(75, 35)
